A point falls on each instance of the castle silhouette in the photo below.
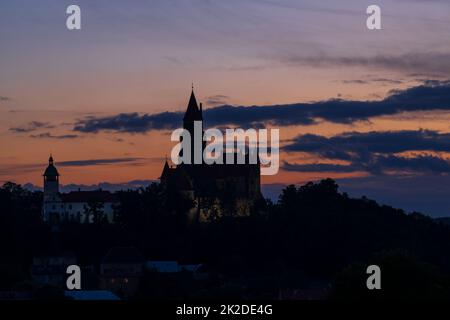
(215, 189)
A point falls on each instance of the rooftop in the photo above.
(123, 255)
(87, 196)
(91, 295)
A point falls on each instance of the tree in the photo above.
(403, 276)
(94, 209)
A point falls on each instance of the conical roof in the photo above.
(192, 111)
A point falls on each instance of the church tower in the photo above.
(51, 181)
(193, 113)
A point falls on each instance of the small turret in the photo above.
(166, 173)
(51, 179)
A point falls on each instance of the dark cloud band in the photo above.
(374, 152)
(431, 95)
(97, 162)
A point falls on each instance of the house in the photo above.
(96, 295)
(171, 267)
(51, 270)
(162, 266)
(15, 295)
(78, 206)
(121, 270)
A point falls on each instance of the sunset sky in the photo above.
(370, 108)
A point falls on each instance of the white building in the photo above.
(75, 205)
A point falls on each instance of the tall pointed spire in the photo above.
(192, 111)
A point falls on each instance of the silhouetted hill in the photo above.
(312, 234)
(443, 220)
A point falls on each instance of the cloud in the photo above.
(130, 122)
(374, 152)
(96, 162)
(383, 81)
(14, 169)
(48, 135)
(10, 170)
(421, 163)
(431, 95)
(421, 62)
(5, 99)
(173, 60)
(318, 167)
(357, 81)
(378, 165)
(217, 99)
(341, 146)
(31, 126)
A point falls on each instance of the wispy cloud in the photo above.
(217, 99)
(421, 62)
(48, 135)
(5, 99)
(96, 162)
(382, 81)
(318, 167)
(33, 168)
(31, 126)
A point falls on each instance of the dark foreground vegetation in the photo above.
(313, 237)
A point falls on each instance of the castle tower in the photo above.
(51, 181)
(193, 113)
